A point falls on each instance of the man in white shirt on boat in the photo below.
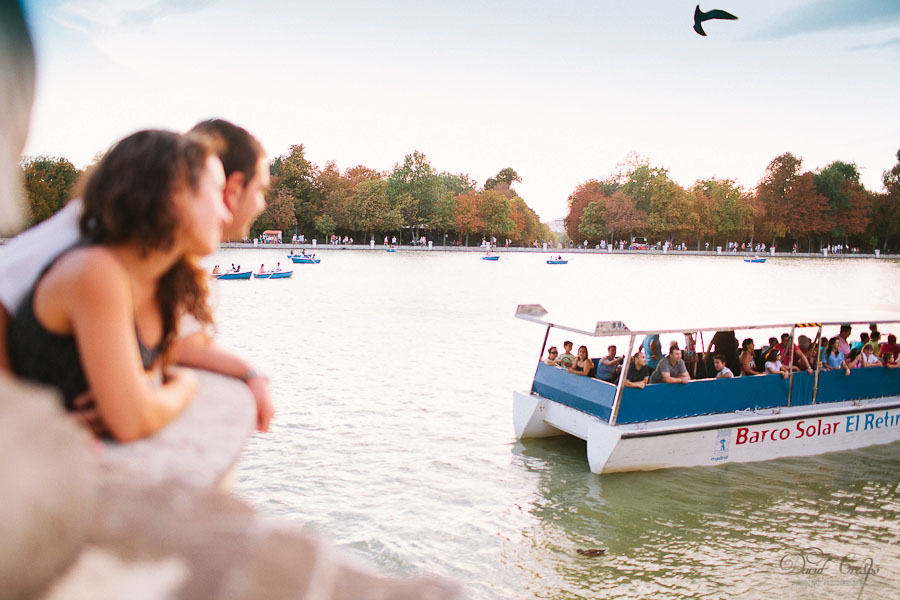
(671, 369)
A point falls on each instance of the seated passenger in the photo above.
(216, 270)
(774, 364)
(765, 349)
(552, 353)
(609, 366)
(868, 358)
(582, 365)
(748, 358)
(722, 371)
(567, 359)
(671, 369)
(854, 359)
(891, 346)
(834, 358)
(723, 343)
(863, 340)
(638, 373)
(798, 360)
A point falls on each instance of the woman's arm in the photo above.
(199, 351)
(93, 293)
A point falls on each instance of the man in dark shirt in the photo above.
(638, 373)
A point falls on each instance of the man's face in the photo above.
(674, 356)
(249, 203)
(612, 351)
(718, 364)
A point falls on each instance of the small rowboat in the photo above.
(756, 259)
(300, 259)
(233, 275)
(557, 262)
(274, 275)
(390, 249)
(490, 258)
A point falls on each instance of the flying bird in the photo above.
(700, 16)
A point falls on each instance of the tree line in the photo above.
(789, 206)
(411, 200)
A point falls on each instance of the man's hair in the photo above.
(240, 151)
(720, 358)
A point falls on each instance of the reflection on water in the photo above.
(393, 376)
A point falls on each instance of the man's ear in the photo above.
(234, 187)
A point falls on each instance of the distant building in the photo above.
(557, 225)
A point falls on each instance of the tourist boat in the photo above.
(706, 421)
(755, 259)
(557, 261)
(273, 274)
(302, 259)
(233, 275)
(490, 257)
(390, 249)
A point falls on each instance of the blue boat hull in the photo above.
(490, 258)
(557, 262)
(304, 260)
(274, 275)
(242, 275)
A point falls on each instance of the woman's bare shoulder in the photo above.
(86, 270)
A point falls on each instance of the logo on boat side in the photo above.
(723, 443)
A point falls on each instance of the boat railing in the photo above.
(663, 401)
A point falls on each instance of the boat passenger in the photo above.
(773, 341)
(609, 365)
(262, 268)
(278, 266)
(834, 358)
(233, 268)
(722, 371)
(552, 353)
(724, 343)
(671, 369)
(854, 359)
(868, 357)
(748, 358)
(638, 373)
(891, 346)
(774, 364)
(863, 340)
(843, 337)
(216, 270)
(652, 350)
(875, 340)
(566, 359)
(583, 365)
(786, 349)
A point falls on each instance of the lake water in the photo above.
(393, 376)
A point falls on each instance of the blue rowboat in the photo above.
(557, 262)
(238, 275)
(390, 249)
(754, 260)
(274, 275)
(708, 421)
(299, 259)
(490, 258)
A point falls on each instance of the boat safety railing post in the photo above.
(818, 363)
(791, 364)
(626, 363)
(541, 356)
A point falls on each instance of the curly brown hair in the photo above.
(129, 199)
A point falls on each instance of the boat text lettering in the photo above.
(870, 421)
(819, 428)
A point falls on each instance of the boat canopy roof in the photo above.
(538, 314)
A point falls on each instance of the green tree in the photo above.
(325, 226)
(594, 224)
(506, 176)
(49, 183)
(297, 176)
(414, 189)
(369, 207)
(457, 183)
(773, 194)
(848, 203)
(496, 217)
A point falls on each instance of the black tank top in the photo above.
(51, 358)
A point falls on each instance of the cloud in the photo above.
(831, 15)
(100, 16)
(891, 44)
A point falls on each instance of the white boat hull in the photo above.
(746, 436)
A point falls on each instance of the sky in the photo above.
(562, 92)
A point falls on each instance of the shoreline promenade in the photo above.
(570, 251)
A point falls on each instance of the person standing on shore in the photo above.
(246, 179)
